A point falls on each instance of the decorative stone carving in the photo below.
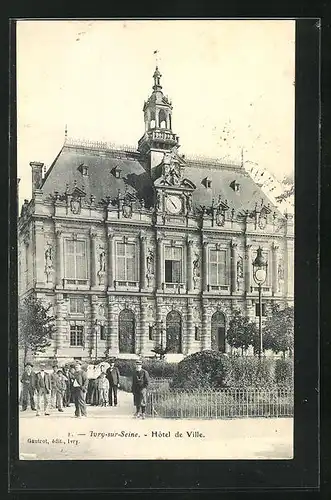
(127, 211)
(220, 217)
(49, 268)
(102, 265)
(75, 205)
(196, 268)
(240, 272)
(150, 266)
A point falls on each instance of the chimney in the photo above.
(37, 169)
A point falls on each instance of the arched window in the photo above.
(162, 119)
(126, 334)
(174, 332)
(218, 331)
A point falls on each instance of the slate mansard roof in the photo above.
(100, 181)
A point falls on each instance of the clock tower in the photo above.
(158, 137)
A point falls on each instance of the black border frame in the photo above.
(258, 475)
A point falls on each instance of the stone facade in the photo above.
(135, 249)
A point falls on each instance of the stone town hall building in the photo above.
(137, 248)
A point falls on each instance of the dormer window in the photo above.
(207, 182)
(116, 172)
(235, 186)
(83, 169)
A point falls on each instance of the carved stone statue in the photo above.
(150, 266)
(196, 267)
(240, 268)
(281, 271)
(49, 261)
(188, 203)
(102, 265)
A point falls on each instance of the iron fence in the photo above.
(224, 403)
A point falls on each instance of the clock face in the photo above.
(174, 204)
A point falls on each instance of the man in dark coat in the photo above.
(28, 387)
(43, 388)
(80, 384)
(66, 395)
(140, 382)
(113, 376)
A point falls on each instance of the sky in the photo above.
(231, 83)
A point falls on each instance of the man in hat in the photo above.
(53, 386)
(43, 388)
(113, 376)
(80, 383)
(28, 387)
(140, 382)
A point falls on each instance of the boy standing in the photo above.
(103, 389)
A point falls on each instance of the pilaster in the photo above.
(234, 258)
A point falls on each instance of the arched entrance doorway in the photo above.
(174, 332)
(126, 326)
(218, 331)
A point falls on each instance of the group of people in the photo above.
(68, 385)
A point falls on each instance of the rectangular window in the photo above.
(150, 332)
(197, 333)
(173, 265)
(76, 305)
(75, 260)
(126, 262)
(257, 309)
(76, 335)
(217, 267)
(103, 333)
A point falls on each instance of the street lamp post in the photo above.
(260, 274)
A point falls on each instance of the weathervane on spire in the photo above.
(65, 132)
(156, 53)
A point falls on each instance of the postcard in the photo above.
(155, 239)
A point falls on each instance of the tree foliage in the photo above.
(242, 332)
(35, 325)
(278, 331)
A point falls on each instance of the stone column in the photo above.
(93, 341)
(143, 325)
(275, 248)
(59, 257)
(190, 285)
(189, 326)
(39, 254)
(93, 257)
(59, 315)
(234, 258)
(158, 323)
(112, 328)
(111, 260)
(248, 264)
(143, 273)
(159, 264)
(205, 280)
(206, 341)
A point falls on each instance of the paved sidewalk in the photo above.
(113, 433)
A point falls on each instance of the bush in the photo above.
(245, 372)
(213, 370)
(206, 369)
(284, 372)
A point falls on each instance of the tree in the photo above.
(35, 326)
(278, 331)
(241, 332)
(161, 351)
